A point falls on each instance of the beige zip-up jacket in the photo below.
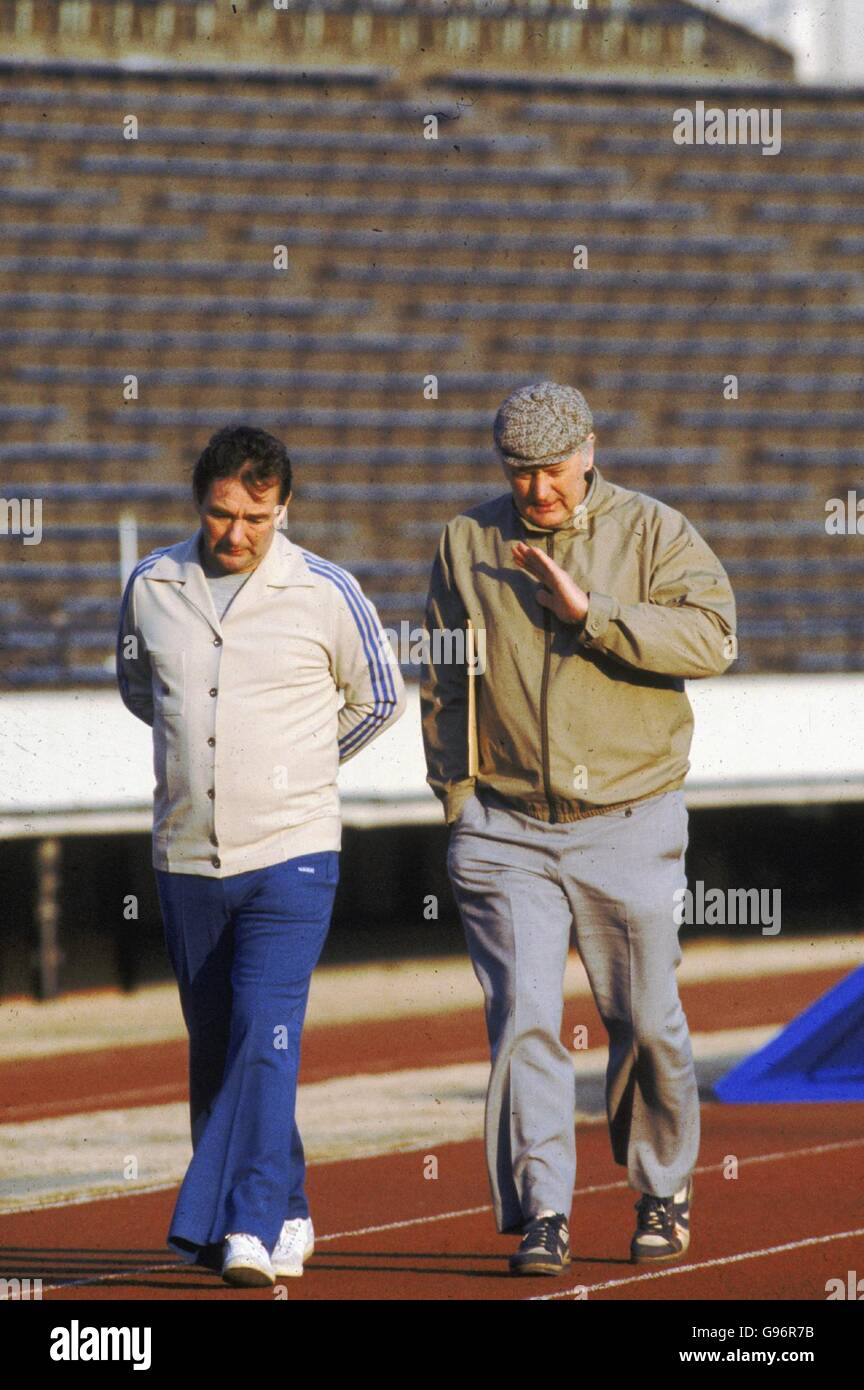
(572, 719)
(248, 732)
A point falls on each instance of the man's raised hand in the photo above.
(557, 590)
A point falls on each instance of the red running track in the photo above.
(386, 1232)
(792, 1219)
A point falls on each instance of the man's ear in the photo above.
(279, 512)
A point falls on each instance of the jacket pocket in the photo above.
(169, 681)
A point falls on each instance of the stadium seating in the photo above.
(410, 259)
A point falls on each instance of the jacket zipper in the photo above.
(544, 697)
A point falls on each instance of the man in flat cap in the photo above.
(564, 791)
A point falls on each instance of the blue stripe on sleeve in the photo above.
(383, 685)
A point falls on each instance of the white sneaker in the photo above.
(245, 1262)
(294, 1247)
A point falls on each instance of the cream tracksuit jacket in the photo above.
(248, 732)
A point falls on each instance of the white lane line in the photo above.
(102, 1278)
(602, 1187)
(702, 1264)
(400, 1225)
(475, 1211)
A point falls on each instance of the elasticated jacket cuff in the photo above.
(602, 608)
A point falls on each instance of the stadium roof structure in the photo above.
(416, 37)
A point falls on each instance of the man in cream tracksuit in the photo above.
(596, 603)
(236, 647)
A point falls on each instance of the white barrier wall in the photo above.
(76, 762)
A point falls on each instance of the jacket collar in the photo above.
(283, 567)
(596, 498)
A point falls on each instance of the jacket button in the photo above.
(165, 690)
(211, 793)
(213, 691)
(211, 743)
(216, 862)
(217, 641)
(213, 840)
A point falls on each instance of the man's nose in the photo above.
(236, 534)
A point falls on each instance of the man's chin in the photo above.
(231, 563)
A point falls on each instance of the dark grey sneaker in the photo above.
(545, 1247)
(663, 1232)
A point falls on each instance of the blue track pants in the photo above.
(243, 949)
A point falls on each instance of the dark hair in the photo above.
(239, 450)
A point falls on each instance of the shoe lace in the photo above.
(544, 1232)
(655, 1213)
(247, 1243)
(295, 1239)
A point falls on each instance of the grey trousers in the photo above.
(521, 885)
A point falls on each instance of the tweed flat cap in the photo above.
(541, 424)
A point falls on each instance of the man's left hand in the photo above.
(558, 591)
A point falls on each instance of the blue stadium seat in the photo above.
(31, 414)
(225, 104)
(728, 282)
(134, 235)
(120, 305)
(332, 173)
(584, 113)
(796, 456)
(137, 268)
(434, 421)
(31, 572)
(229, 340)
(770, 180)
(61, 197)
(841, 566)
(693, 349)
(82, 133)
(657, 311)
(829, 214)
(759, 530)
(834, 597)
(734, 492)
(71, 451)
(734, 418)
